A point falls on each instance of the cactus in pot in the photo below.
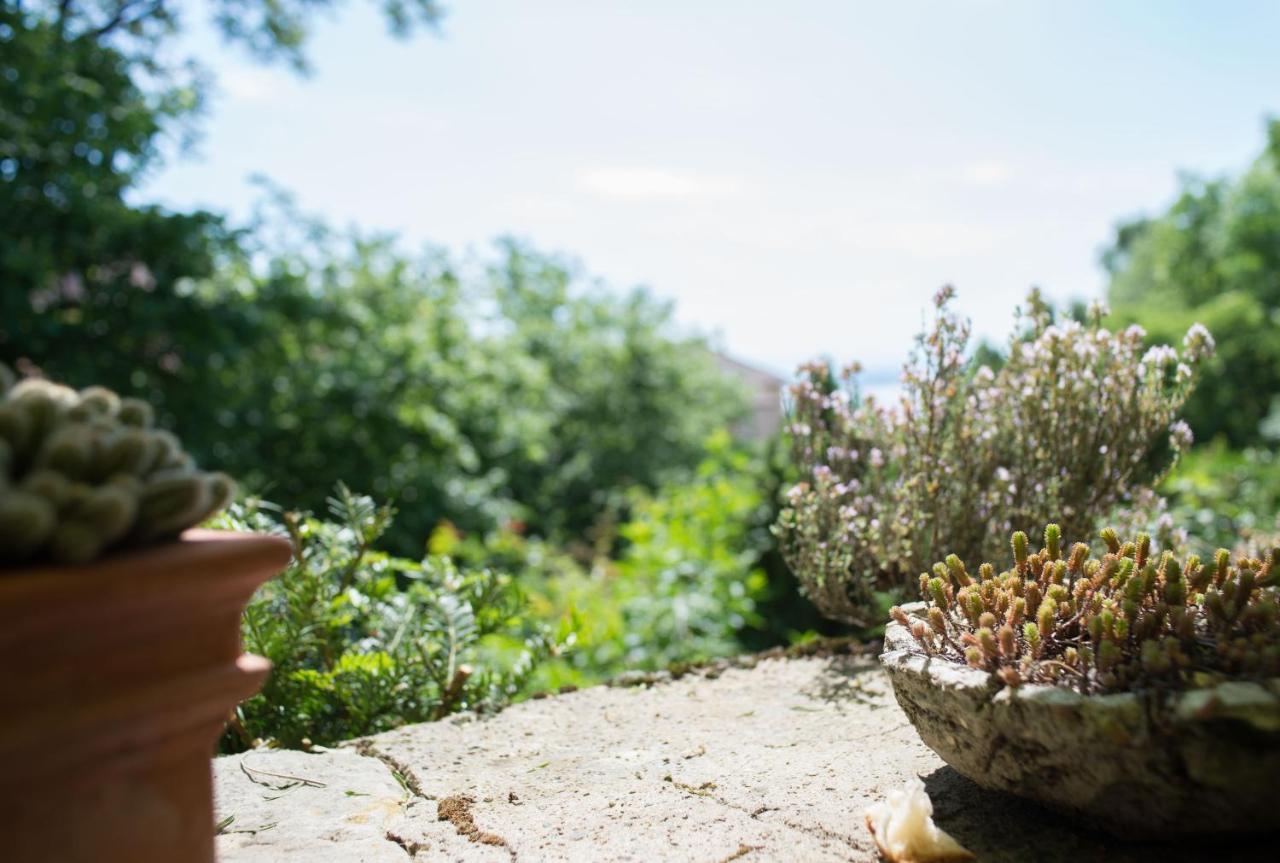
(84, 472)
(121, 645)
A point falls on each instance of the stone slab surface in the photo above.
(774, 762)
(334, 806)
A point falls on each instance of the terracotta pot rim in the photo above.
(191, 546)
(116, 656)
(153, 720)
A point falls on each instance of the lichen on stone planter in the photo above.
(1141, 694)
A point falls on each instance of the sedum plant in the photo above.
(1075, 422)
(82, 473)
(1128, 620)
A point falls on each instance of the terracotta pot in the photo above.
(1142, 765)
(116, 678)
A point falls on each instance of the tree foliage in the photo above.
(1213, 257)
(289, 354)
(477, 394)
(91, 93)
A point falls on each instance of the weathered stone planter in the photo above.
(1141, 766)
(116, 679)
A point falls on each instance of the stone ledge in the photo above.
(334, 805)
(769, 763)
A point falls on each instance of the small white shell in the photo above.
(904, 830)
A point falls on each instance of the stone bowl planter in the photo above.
(1139, 765)
(117, 678)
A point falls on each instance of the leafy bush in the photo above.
(362, 642)
(1125, 621)
(1226, 496)
(581, 589)
(679, 582)
(690, 563)
(1072, 424)
(1214, 257)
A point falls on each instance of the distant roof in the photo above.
(746, 370)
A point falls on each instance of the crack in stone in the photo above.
(819, 831)
(888, 731)
(816, 830)
(410, 847)
(401, 771)
(408, 779)
(457, 811)
(743, 850)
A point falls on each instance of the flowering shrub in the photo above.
(1072, 424)
(1126, 620)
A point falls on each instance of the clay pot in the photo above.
(1140, 765)
(116, 678)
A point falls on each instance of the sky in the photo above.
(798, 177)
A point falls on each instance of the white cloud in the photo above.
(986, 173)
(651, 184)
(249, 84)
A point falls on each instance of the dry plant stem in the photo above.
(253, 772)
(451, 692)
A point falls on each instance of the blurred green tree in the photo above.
(1214, 256)
(507, 393)
(292, 355)
(607, 395)
(88, 103)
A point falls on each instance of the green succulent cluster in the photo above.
(1124, 621)
(84, 472)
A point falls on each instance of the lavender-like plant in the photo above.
(1071, 426)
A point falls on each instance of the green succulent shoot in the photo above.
(1131, 619)
(84, 472)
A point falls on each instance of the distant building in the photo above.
(765, 391)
